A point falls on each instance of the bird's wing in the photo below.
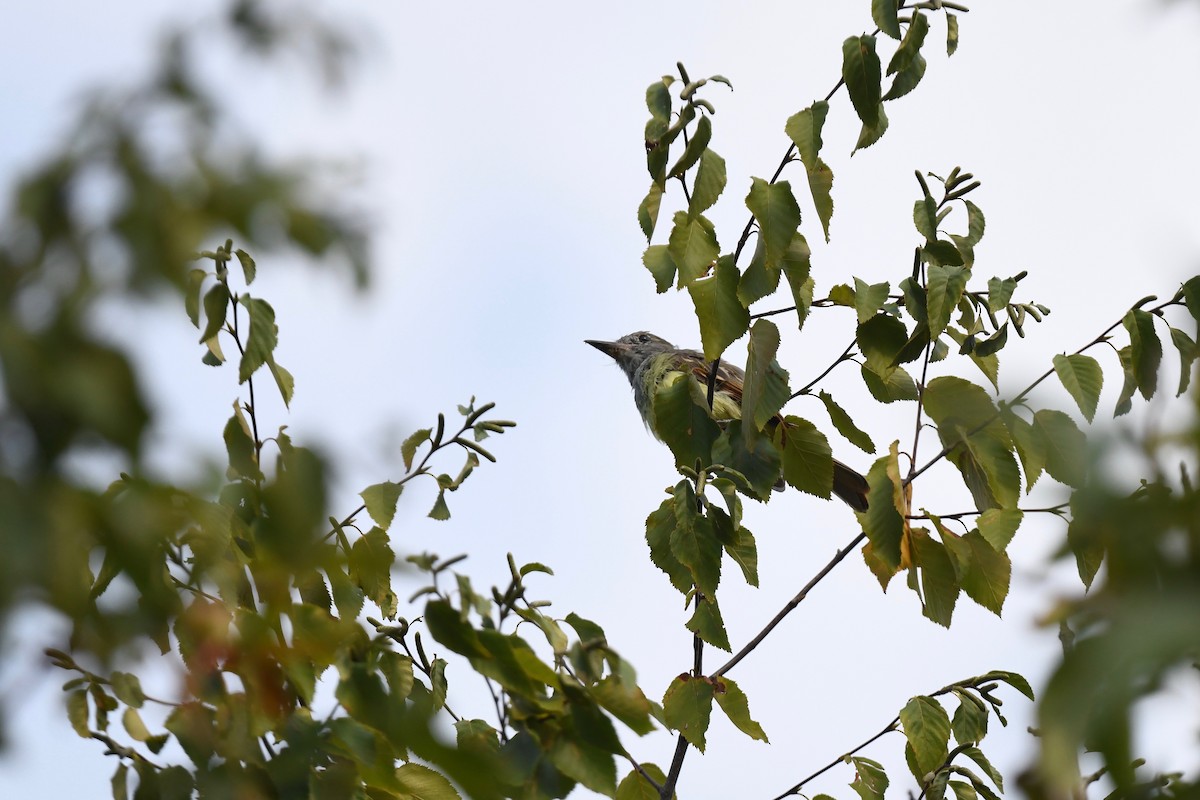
(730, 379)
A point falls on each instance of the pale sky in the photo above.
(500, 148)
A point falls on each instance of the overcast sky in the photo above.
(500, 149)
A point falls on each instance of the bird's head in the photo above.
(632, 350)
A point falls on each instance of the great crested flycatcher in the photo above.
(647, 360)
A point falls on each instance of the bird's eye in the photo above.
(643, 338)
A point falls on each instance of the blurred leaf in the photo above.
(419, 781)
(77, 712)
(1187, 356)
(951, 33)
(634, 787)
(371, 560)
(128, 689)
(1066, 447)
(216, 307)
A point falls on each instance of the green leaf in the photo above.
(77, 712)
(249, 269)
(687, 707)
(759, 280)
(951, 33)
(264, 336)
(987, 578)
(804, 129)
(861, 72)
(191, 296)
(380, 499)
(634, 787)
(440, 511)
(132, 722)
(1013, 679)
(939, 582)
(970, 719)
(446, 624)
(976, 755)
(870, 779)
(907, 79)
(910, 48)
(736, 706)
(682, 419)
(765, 388)
(371, 560)
(989, 471)
(128, 689)
(884, 14)
(925, 217)
(820, 184)
(881, 338)
(694, 542)
(807, 458)
(1187, 356)
(437, 683)
(658, 261)
(845, 426)
(120, 783)
(778, 215)
(723, 319)
(870, 134)
(742, 549)
(796, 266)
(1190, 291)
(419, 781)
(990, 346)
(927, 728)
(216, 307)
(1130, 386)
(283, 380)
(591, 766)
(868, 299)
(759, 462)
(658, 101)
(409, 447)
(708, 185)
(1066, 447)
(240, 447)
(660, 525)
(696, 145)
(1082, 378)
(692, 246)
(898, 385)
(944, 253)
(1146, 350)
(999, 525)
(1030, 444)
(706, 623)
(945, 289)
(648, 209)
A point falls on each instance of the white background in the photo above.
(501, 165)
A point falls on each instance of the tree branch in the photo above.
(893, 725)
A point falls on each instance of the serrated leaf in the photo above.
(861, 72)
(807, 458)
(907, 79)
(1083, 379)
(870, 134)
(898, 385)
(682, 419)
(845, 425)
(970, 719)
(880, 339)
(736, 705)
(660, 525)
(380, 500)
(658, 261)
(796, 267)
(869, 298)
(1145, 350)
(648, 209)
(440, 511)
(999, 525)
(945, 288)
(927, 728)
(696, 145)
(884, 14)
(409, 447)
(263, 338)
(938, 579)
(1013, 679)
(778, 215)
(706, 622)
(976, 755)
(804, 129)
(687, 707)
(722, 317)
(759, 280)
(759, 463)
(989, 573)
(419, 781)
(765, 387)
(925, 217)
(910, 47)
(692, 246)
(870, 779)
(709, 183)
(694, 543)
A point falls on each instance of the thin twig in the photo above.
(893, 725)
(845, 356)
(795, 601)
(681, 744)
(1058, 509)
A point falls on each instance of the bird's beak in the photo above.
(611, 349)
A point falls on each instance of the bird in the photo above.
(647, 360)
